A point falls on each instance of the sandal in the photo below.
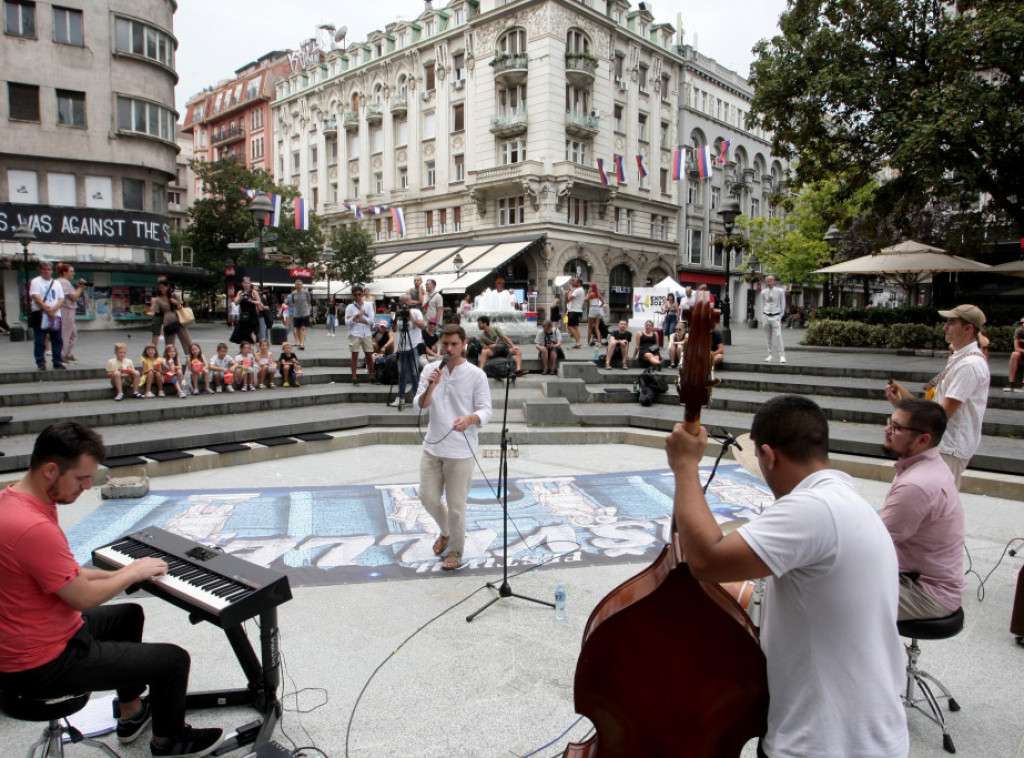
(451, 561)
(440, 544)
(607, 367)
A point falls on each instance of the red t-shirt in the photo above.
(35, 562)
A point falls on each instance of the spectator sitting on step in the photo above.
(1016, 359)
(289, 366)
(676, 341)
(383, 340)
(619, 341)
(120, 369)
(222, 369)
(247, 366)
(174, 374)
(428, 348)
(717, 345)
(152, 370)
(494, 343)
(265, 366)
(549, 345)
(199, 368)
(647, 347)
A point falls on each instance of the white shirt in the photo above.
(828, 631)
(359, 328)
(51, 295)
(968, 381)
(576, 300)
(434, 306)
(773, 302)
(461, 391)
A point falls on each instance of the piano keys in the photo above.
(212, 586)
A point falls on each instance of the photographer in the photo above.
(249, 306)
(69, 329)
(408, 327)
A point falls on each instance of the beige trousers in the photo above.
(452, 477)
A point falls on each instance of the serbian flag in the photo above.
(723, 152)
(399, 216)
(704, 162)
(600, 169)
(301, 214)
(677, 164)
(620, 170)
(275, 202)
(354, 207)
(641, 163)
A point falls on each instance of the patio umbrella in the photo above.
(1012, 268)
(908, 264)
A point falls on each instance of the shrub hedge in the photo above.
(914, 336)
(927, 315)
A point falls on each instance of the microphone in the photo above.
(446, 359)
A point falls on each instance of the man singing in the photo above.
(56, 635)
(459, 400)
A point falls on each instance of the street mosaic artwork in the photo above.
(364, 533)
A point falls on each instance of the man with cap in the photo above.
(961, 388)
(358, 320)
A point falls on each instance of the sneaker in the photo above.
(396, 403)
(60, 367)
(768, 359)
(522, 372)
(782, 359)
(286, 384)
(231, 388)
(1009, 388)
(245, 388)
(118, 397)
(182, 394)
(129, 730)
(41, 367)
(160, 394)
(149, 394)
(189, 743)
(137, 395)
(209, 391)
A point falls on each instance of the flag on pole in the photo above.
(641, 163)
(399, 216)
(275, 203)
(620, 170)
(677, 164)
(704, 162)
(723, 152)
(354, 207)
(600, 169)
(301, 214)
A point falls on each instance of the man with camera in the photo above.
(408, 327)
(68, 329)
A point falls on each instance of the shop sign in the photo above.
(297, 272)
(91, 226)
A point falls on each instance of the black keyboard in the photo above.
(218, 587)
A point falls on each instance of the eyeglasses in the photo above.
(897, 428)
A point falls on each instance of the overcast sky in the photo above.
(215, 38)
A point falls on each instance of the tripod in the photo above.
(410, 368)
(505, 590)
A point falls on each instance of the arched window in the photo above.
(403, 85)
(578, 267)
(355, 101)
(577, 42)
(378, 93)
(620, 292)
(512, 42)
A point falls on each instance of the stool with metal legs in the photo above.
(56, 711)
(917, 678)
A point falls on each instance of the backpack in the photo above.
(499, 369)
(649, 386)
(386, 369)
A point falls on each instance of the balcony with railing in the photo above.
(399, 105)
(510, 68)
(580, 68)
(509, 123)
(511, 175)
(330, 126)
(577, 171)
(225, 136)
(351, 121)
(374, 113)
(580, 124)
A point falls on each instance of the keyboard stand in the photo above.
(264, 678)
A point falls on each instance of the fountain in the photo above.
(499, 306)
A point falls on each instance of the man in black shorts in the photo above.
(300, 305)
(494, 343)
(574, 310)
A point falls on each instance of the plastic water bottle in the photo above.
(560, 602)
(597, 352)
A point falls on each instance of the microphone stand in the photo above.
(505, 590)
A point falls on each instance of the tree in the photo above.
(353, 260)
(927, 94)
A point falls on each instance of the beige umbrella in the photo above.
(1012, 268)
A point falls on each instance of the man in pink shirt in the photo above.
(57, 636)
(923, 513)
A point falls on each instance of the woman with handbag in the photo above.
(166, 305)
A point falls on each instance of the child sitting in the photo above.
(152, 370)
(291, 369)
(222, 369)
(173, 373)
(265, 366)
(199, 368)
(247, 366)
(120, 369)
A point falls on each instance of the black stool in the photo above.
(929, 629)
(56, 711)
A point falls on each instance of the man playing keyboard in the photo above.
(56, 635)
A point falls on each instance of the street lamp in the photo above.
(458, 263)
(327, 258)
(729, 211)
(25, 235)
(832, 238)
(260, 208)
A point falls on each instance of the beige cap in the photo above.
(972, 314)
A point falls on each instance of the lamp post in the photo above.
(25, 235)
(327, 258)
(729, 211)
(260, 208)
(832, 238)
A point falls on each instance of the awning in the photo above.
(687, 277)
(479, 259)
(397, 263)
(460, 284)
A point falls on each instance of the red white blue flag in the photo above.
(723, 152)
(399, 216)
(301, 214)
(600, 169)
(678, 158)
(704, 162)
(641, 163)
(275, 203)
(354, 207)
(620, 170)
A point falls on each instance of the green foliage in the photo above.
(353, 259)
(896, 336)
(886, 316)
(932, 91)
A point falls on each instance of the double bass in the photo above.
(671, 667)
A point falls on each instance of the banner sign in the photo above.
(90, 226)
(297, 272)
(647, 303)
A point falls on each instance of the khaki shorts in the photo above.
(355, 344)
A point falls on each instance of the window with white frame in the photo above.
(641, 127)
(666, 136)
(378, 181)
(355, 189)
(137, 38)
(755, 207)
(428, 221)
(70, 108)
(457, 219)
(256, 147)
(403, 177)
(352, 146)
(577, 42)
(617, 219)
(295, 162)
(693, 193)
(666, 88)
(512, 151)
(459, 165)
(332, 152)
(643, 78)
(694, 238)
(511, 210)
(620, 66)
(578, 212)
(20, 18)
(401, 132)
(429, 125)
(617, 119)
(577, 100)
(442, 219)
(429, 173)
(512, 42)
(67, 26)
(428, 77)
(459, 117)
(576, 151)
(314, 157)
(629, 221)
(459, 66)
(512, 100)
(377, 140)
(142, 117)
(716, 197)
(256, 119)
